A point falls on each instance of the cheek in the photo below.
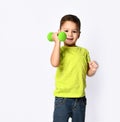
(76, 36)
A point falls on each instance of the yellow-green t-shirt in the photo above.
(70, 79)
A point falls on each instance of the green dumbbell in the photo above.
(61, 36)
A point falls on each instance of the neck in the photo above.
(74, 45)
(70, 45)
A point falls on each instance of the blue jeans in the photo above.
(69, 107)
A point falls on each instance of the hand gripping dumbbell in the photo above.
(61, 36)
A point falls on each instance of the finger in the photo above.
(93, 63)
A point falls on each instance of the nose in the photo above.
(69, 33)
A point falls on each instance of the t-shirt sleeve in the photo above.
(88, 57)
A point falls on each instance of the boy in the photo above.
(73, 64)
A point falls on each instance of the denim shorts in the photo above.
(65, 108)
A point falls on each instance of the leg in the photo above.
(79, 110)
(60, 110)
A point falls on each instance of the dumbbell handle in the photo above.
(61, 36)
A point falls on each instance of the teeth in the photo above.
(70, 38)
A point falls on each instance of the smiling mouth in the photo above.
(69, 39)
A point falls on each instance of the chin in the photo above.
(69, 44)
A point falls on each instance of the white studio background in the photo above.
(26, 75)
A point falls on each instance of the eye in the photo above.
(75, 31)
(66, 30)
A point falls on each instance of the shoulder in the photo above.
(83, 49)
(77, 48)
(85, 53)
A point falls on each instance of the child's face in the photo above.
(72, 31)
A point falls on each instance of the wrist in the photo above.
(91, 72)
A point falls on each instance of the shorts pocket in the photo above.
(82, 103)
(59, 101)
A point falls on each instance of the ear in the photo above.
(79, 35)
(58, 30)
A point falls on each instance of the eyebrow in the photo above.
(71, 29)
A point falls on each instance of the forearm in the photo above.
(55, 57)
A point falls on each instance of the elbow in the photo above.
(55, 64)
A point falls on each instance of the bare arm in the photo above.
(92, 68)
(55, 56)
